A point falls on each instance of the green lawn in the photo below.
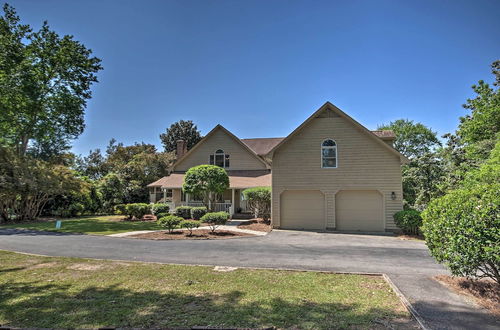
(97, 225)
(70, 292)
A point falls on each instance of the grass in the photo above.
(96, 225)
(58, 292)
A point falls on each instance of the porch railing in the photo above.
(218, 207)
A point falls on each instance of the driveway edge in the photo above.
(405, 302)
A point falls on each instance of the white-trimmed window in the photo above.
(329, 154)
(219, 158)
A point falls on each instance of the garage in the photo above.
(359, 210)
(303, 209)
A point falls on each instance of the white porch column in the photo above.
(231, 209)
(164, 195)
(187, 199)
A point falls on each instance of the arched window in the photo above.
(219, 158)
(329, 154)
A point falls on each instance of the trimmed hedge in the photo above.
(409, 221)
(183, 211)
(215, 219)
(190, 225)
(170, 222)
(120, 209)
(198, 212)
(137, 210)
(160, 208)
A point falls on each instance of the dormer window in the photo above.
(329, 154)
(219, 158)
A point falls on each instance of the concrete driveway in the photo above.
(406, 262)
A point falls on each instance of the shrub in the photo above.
(161, 215)
(160, 208)
(169, 222)
(462, 230)
(190, 225)
(120, 209)
(138, 210)
(183, 211)
(259, 199)
(409, 221)
(215, 219)
(198, 212)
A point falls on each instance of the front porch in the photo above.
(231, 201)
(169, 190)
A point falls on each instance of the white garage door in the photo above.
(303, 209)
(359, 210)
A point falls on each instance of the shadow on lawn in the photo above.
(59, 305)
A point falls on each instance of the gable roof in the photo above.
(231, 135)
(337, 112)
(261, 146)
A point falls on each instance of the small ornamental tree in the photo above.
(215, 219)
(190, 225)
(207, 181)
(259, 199)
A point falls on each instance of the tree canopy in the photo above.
(412, 139)
(206, 181)
(45, 82)
(182, 130)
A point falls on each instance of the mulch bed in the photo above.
(484, 291)
(197, 234)
(257, 225)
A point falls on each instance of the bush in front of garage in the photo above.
(409, 221)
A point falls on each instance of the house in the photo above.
(330, 173)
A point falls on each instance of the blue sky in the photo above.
(261, 67)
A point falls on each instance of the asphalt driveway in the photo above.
(406, 262)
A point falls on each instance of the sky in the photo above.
(261, 67)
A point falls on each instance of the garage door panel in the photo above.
(359, 210)
(303, 209)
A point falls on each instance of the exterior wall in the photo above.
(240, 158)
(362, 164)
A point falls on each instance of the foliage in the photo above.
(198, 212)
(259, 199)
(124, 172)
(462, 229)
(412, 139)
(215, 219)
(207, 181)
(137, 210)
(190, 225)
(424, 174)
(45, 81)
(182, 130)
(409, 221)
(160, 208)
(170, 222)
(120, 209)
(423, 179)
(183, 211)
(27, 185)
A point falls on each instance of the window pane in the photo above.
(220, 151)
(211, 159)
(329, 162)
(169, 192)
(328, 152)
(219, 160)
(328, 143)
(227, 161)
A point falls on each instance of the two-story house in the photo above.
(330, 173)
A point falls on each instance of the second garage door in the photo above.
(303, 209)
(359, 210)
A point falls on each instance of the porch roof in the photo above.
(237, 179)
